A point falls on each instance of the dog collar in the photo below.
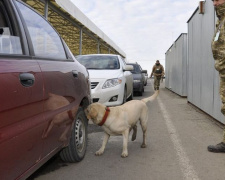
(107, 110)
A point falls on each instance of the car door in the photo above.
(129, 78)
(62, 88)
(21, 98)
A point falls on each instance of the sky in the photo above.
(143, 29)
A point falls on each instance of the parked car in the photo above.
(138, 77)
(111, 79)
(43, 93)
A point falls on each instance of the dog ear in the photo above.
(87, 111)
(93, 113)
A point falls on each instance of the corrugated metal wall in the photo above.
(176, 66)
(203, 79)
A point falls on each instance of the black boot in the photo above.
(219, 148)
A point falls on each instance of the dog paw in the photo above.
(99, 153)
(124, 154)
(143, 146)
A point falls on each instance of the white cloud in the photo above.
(143, 29)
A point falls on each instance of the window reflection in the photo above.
(46, 41)
(8, 44)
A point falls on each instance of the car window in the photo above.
(136, 69)
(9, 44)
(99, 62)
(45, 40)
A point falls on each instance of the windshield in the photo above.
(136, 69)
(99, 62)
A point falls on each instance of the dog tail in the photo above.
(151, 98)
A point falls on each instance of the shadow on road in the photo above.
(55, 162)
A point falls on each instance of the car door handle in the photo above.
(27, 79)
(75, 73)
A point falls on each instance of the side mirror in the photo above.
(144, 71)
(128, 68)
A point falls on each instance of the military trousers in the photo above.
(157, 82)
(222, 95)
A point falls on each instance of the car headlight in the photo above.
(111, 83)
(137, 81)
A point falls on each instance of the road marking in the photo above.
(186, 168)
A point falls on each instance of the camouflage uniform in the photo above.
(158, 72)
(218, 50)
(157, 82)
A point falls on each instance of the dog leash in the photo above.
(107, 110)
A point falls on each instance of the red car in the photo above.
(43, 93)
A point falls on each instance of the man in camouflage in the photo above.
(218, 50)
(158, 72)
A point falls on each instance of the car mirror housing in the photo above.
(144, 71)
(128, 68)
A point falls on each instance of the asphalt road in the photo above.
(177, 140)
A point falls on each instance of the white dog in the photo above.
(120, 120)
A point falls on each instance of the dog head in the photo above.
(91, 113)
(95, 112)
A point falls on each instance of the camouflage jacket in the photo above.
(218, 46)
(157, 70)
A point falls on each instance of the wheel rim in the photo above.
(79, 134)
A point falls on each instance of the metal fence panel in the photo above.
(176, 65)
(203, 80)
(184, 66)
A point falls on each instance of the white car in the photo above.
(111, 79)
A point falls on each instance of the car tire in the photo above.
(76, 149)
(125, 95)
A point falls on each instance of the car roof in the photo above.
(133, 64)
(99, 55)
